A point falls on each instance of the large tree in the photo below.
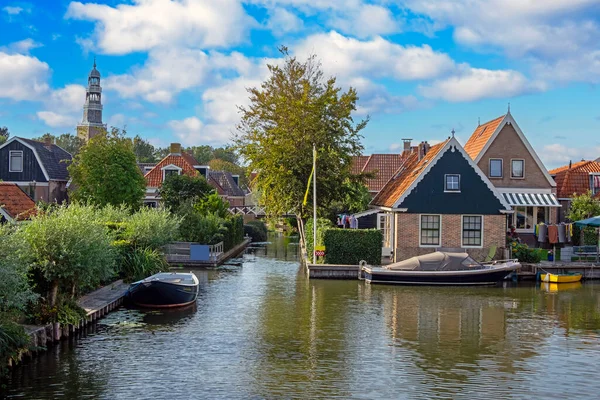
(67, 141)
(178, 190)
(293, 109)
(105, 172)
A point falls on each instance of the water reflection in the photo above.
(263, 330)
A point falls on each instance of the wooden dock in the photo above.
(96, 305)
(586, 269)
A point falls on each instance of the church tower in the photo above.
(92, 124)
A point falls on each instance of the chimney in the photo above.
(423, 149)
(175, 148)
(48, 142)
(236, 179)
(406, 144)
(570, 164)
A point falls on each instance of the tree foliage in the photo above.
(583, 206)
(106, 172)
(212, 204)
(293, 109)
(143, 150)
(178, 190)
(70, 143)
(355, 198)
(15, 291)
(4, 134)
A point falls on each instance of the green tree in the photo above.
(15, 291)
(4, 134)
(106, 172)
(213, 204)
(143, 150)
(178, 190)
(203, 154)
(70, 248)
(293, 109)
(70, 143)
(226, 153)
(583, 206)
(356, 198)
(218, 164)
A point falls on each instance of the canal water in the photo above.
(262, 330)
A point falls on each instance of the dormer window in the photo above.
(452, 183)
(15, 163)
(170, 170)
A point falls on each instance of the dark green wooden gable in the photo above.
(475, 196)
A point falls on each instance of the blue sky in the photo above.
(175, 70)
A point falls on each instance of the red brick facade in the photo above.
(408, 235)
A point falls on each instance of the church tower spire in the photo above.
(91, 124)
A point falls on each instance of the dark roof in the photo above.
(54, 159)
(143, 166)
(225, 180)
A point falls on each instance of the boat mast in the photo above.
(314, 204)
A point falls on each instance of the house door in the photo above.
(384, 222)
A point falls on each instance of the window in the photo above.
(471, 230)
(452, 183)
(495, 168)
(15, 163)
(430, 230)
(169, 172)
(525, 218)
(595, 184)
(517, 169)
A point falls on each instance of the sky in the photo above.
(177, 70)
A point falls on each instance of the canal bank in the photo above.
(266, 331)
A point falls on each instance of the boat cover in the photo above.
(437, 261)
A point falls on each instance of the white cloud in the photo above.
(148, 24)
(366, 20)
(281, 21)
(21, 47)
(556, 155)
(188, 130)
(22, 77)
(476, 84)
(13, 10)
(56, 120)
(169, 71)
(344, 56)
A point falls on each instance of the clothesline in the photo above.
(561, 233)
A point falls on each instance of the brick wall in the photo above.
(407, 239)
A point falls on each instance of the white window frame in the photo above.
(446, 190)
(439, 234)
(592, 177)
(10, 155)
(532, 224)
(170, 167)
(462, 229)
(512, 176)
(501, 168)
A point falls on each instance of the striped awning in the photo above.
(531, 199)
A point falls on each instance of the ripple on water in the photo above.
(264, 331)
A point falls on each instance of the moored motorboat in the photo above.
(561, 278)
(441, 268)
(165, 289)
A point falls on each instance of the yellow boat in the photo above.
(561, 278)
(555, 287)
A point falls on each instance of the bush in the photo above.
(322, 223)
(13, 338)
(257, 230)
(525, 254)
(151, 227)
(350, 246)
(140, 263)
(199, 228)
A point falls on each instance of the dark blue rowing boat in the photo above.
(166, 289)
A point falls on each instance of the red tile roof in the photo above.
(574, 179)
(185, 161)
(405, 176)
(481, 136)
(384, 166)
(15, 202)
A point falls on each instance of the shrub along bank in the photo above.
(350, 246)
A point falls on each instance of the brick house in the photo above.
(15, 204)
(507, 159)
(38, 168)
(439, 198)
(575, 179)
(179, 162)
